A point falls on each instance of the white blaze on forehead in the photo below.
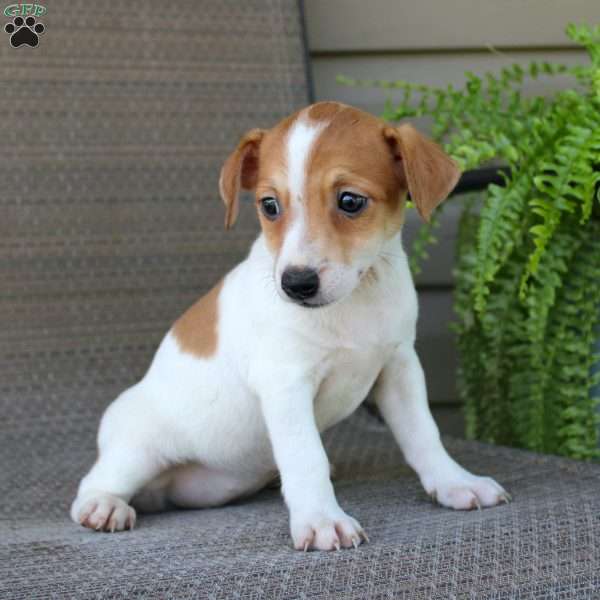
(300, 141)
(296, 250)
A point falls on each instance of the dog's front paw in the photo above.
(103, 512)
(326, 531)
(467, 491)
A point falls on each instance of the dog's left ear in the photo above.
(425, 169)
(240, 172)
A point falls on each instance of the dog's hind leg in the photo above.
(195, 486)
(102, 502)
(128, 459)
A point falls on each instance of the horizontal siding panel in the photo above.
(382, 25)
(439, 70)
(437, 268)
(434, 43)
(450, 419)
(436, 346)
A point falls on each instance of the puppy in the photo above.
(291, 341)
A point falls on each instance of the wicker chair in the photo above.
(113, 133)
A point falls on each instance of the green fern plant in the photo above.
(528, 269)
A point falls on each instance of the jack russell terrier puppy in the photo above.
(291, 341)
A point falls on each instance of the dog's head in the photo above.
(330, 183)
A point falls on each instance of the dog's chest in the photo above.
(347, 377)
(360, 343)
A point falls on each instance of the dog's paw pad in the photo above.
(106, 513)
(467, 493)
(322, 531)
(24, 31)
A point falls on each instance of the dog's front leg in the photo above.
(316, 519)
(401, 396)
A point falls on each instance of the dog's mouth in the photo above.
(305, 304)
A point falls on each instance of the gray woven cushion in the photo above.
(112, 134)
(543, 545)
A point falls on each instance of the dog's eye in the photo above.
(270, 208)
(352, 204)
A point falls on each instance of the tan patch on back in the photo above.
(196, 330)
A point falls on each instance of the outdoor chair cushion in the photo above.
(113, 132)
(543, 545)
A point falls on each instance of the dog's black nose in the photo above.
(300, 283)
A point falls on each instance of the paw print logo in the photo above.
(24, 31)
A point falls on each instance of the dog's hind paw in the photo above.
(104, 512)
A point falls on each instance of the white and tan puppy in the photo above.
(291, 341)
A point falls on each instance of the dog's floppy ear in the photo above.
(239, 172)
(426, 170)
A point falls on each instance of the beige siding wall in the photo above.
(367, 25)
(435, 42)
(432, 68)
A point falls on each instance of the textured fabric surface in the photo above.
(543, 545)
(113, 132)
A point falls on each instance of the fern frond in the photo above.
(527, 295)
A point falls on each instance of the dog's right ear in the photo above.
(240, 172)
